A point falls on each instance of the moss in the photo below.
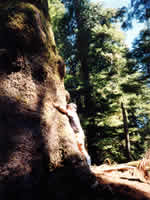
(17, 21)
(26, 28)
(22, 24)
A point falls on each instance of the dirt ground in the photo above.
(124, 179)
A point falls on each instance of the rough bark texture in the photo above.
(36, 140)
(39, 157)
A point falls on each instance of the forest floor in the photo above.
(124, 179)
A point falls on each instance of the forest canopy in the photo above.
(48, 49)
(108, 81)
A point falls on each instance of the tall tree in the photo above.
(96, 50)
(79, 29)
(141, 47)
(112, 79)
(38, 151)
(140, 10)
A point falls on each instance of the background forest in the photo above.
(109, 82)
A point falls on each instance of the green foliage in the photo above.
(56, 11)
(102, 73)
(141, 47)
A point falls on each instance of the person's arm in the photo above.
(60, 108)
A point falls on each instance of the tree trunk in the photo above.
(126, 132)
(38, 151)
(39, 157)
(83, 37)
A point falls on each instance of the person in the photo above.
(71, 112)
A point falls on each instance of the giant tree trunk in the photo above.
(38, 151)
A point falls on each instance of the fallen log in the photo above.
(123, 180)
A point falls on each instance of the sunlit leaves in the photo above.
(113, 76)
(56, 10)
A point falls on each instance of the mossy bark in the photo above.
(38, 151)
(39, 157)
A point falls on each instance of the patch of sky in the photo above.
(130, 34)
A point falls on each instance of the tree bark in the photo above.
(83, 37)
(126, 132)
(38, 151)
(39, 157)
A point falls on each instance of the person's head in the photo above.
(72, 106)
